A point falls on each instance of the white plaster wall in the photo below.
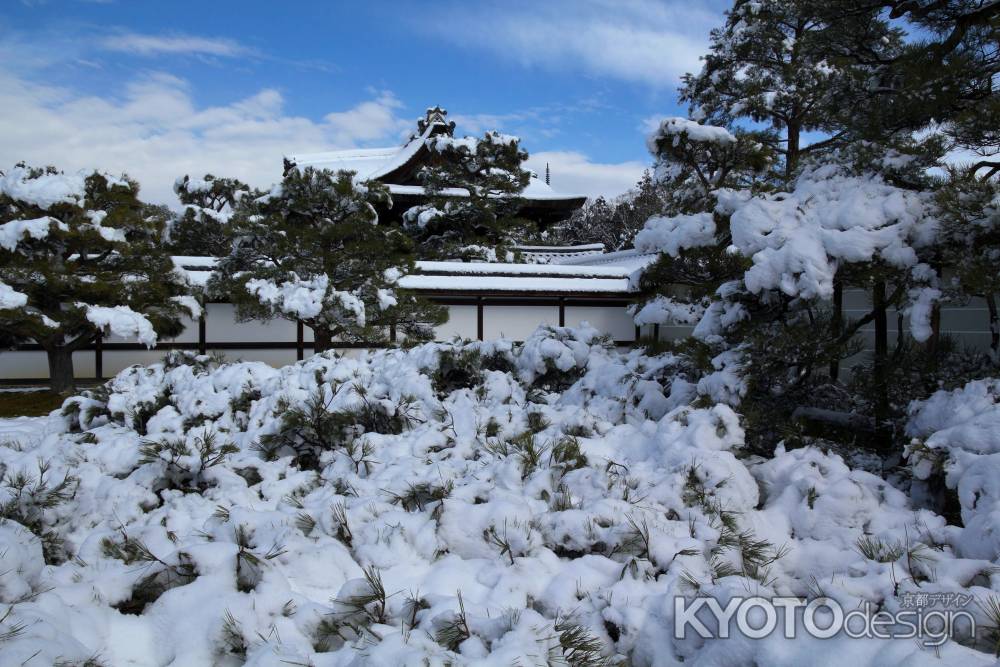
(613, 320)
(114, 361)
(221, 327)
(516, 322)
(23, 365)
(461, 322)
(276, 358)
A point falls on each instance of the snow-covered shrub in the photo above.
(956, 439)
(463, 367)
(28, 493)
(556, 357)
(470, 525)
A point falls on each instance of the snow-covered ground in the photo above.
(478, 503)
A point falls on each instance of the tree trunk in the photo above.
(61, 370)
(322, 340)
(836, 324)
(934, 341)
(792, 156)
(881, 353)
(991, 305)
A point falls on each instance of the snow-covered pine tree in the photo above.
(942, 77)
(203, 228)
(694, 163)
(78, 257)
(754, 268)
(780, 63)
(313, 250)
(473, 186)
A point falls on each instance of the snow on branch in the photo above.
(680, 128)
(671, 234)
(122, 321)
(11, 298)
(12, 232)
(922, 300)
(796, 240)
(43, 191)
(189, 303)
(309, 299)
(442, 143)
(664, 310)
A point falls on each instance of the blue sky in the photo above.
(166, 88)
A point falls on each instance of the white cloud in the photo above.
(370, 120)
(151, 45)
(573, 172)
(156, 132)
(645, 41)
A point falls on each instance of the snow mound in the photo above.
(957, 433)
(482, 503)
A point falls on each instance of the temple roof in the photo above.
(397, 166)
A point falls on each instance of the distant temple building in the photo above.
(398, 168)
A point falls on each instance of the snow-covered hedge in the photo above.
(467, 503)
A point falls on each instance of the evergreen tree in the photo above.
(694, 163)
(313, 250)
(473, 186)
(203, 228)
(942, 77)
(78, 256)
(780, 63)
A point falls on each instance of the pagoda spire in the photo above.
(435, 115)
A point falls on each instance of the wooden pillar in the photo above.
(656, 332)
(202, 343)
(479, 318)
(562, 311)
(99, 357)
(300, 347)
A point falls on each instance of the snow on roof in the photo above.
(369, 163)
(536, 190)
(592, 248)
(630, 260)
(486, 277)
(527, 283)
(484, 268)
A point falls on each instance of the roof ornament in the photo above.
(435, 116)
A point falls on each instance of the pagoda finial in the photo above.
(435, 116)
(547, 174)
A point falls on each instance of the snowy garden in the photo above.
(563, 499)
